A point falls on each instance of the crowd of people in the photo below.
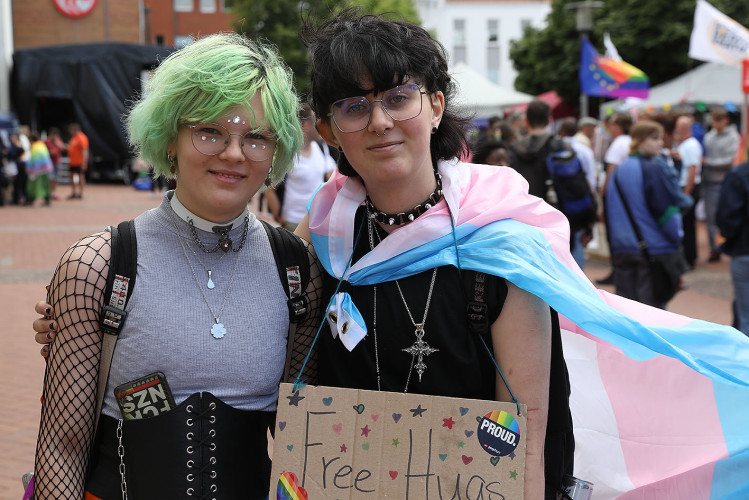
(390, 243)
(30, 163)
(684, 168)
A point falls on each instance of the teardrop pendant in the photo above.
(210, 284)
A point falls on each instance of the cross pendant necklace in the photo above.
(420, 348)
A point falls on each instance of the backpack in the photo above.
(481, 290)
(574, 197)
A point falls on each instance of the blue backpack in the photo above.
(574, 196)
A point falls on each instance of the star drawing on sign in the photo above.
(343, 448)
(512, 455)
(295, 398)
(461, 444)
(396, 442)
(513, 474)
(365, 431)
(448, 422)
(418, 411)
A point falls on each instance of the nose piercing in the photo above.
(378, 134)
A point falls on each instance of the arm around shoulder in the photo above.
(69, 397)
(522, 346)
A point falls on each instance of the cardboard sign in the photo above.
(356, 444)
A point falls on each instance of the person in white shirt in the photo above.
(689, 151)
(567, 130)
(312, 167)
(617, 152)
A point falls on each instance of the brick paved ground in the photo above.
(33, 239)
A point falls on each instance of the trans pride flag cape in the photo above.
(660, 402)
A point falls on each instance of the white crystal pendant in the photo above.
(218, 331)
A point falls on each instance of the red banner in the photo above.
(745, 77)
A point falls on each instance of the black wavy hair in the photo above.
(351, 48)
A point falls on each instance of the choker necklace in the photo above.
(222, 230)
(420, 348)
(404, 218)
(218, 330)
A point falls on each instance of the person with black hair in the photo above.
(384, 98)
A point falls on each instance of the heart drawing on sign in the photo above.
(467, 460)
(281, 426)
(359, 408)
(494, 461)
(337, 428)
(443, 456)
(375, 416)
(463, 411)
(327, 401)
(289, 447)
(288, 487)
(365, 446)
(396, 417)
(468, 433)
(393, 474)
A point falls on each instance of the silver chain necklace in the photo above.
(224, 242)
(420, 348)
(210, 285)
(218, 330)
(222, 230)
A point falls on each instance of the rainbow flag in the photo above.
(607, 77)
(659, 401)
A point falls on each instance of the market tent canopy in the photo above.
(711, 83)
(482, 97)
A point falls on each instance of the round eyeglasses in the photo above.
(400, 103)
(212, 139)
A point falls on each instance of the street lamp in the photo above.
(584, 26)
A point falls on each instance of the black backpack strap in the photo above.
(293, 269)
(294, 272)
(120, 284)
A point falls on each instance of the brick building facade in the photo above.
(39, 23)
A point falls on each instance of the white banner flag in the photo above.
(717, 37)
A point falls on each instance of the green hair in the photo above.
(204, 80)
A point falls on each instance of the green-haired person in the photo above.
(208, 311)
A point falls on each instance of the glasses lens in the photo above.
(403, 103)
(351, 114)
(257, 148)
(209, 138)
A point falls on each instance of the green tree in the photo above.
(653, 36)
(278, 21)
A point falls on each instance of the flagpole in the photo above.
(584, 26)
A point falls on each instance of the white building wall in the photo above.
(6, 53)
(439, 16)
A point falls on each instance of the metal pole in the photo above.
(583, 95)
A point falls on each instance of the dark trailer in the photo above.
(91, 84)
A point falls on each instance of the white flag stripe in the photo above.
(594, 421)
(716, 37)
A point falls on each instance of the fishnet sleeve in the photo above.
(69, 397)
(306, 330)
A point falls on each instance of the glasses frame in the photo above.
(371, 107)
(193, 127)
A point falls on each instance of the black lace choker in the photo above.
(404, 218)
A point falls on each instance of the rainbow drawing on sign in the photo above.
(504, 419)
(289, 489)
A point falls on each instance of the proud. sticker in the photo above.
(498, 433)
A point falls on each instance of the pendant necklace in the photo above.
(218, 330)
(420, 349)
(222, 230)
(210, 285)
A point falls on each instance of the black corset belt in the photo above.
(203, 448)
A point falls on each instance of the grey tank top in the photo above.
(168, 328)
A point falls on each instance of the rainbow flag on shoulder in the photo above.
(608, 77)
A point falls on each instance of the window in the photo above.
(182, 41)
(492, 26)
(207, 6)
(492, 50)
(227, 5)
(460, 52)
(524, 23)
(182, 5)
